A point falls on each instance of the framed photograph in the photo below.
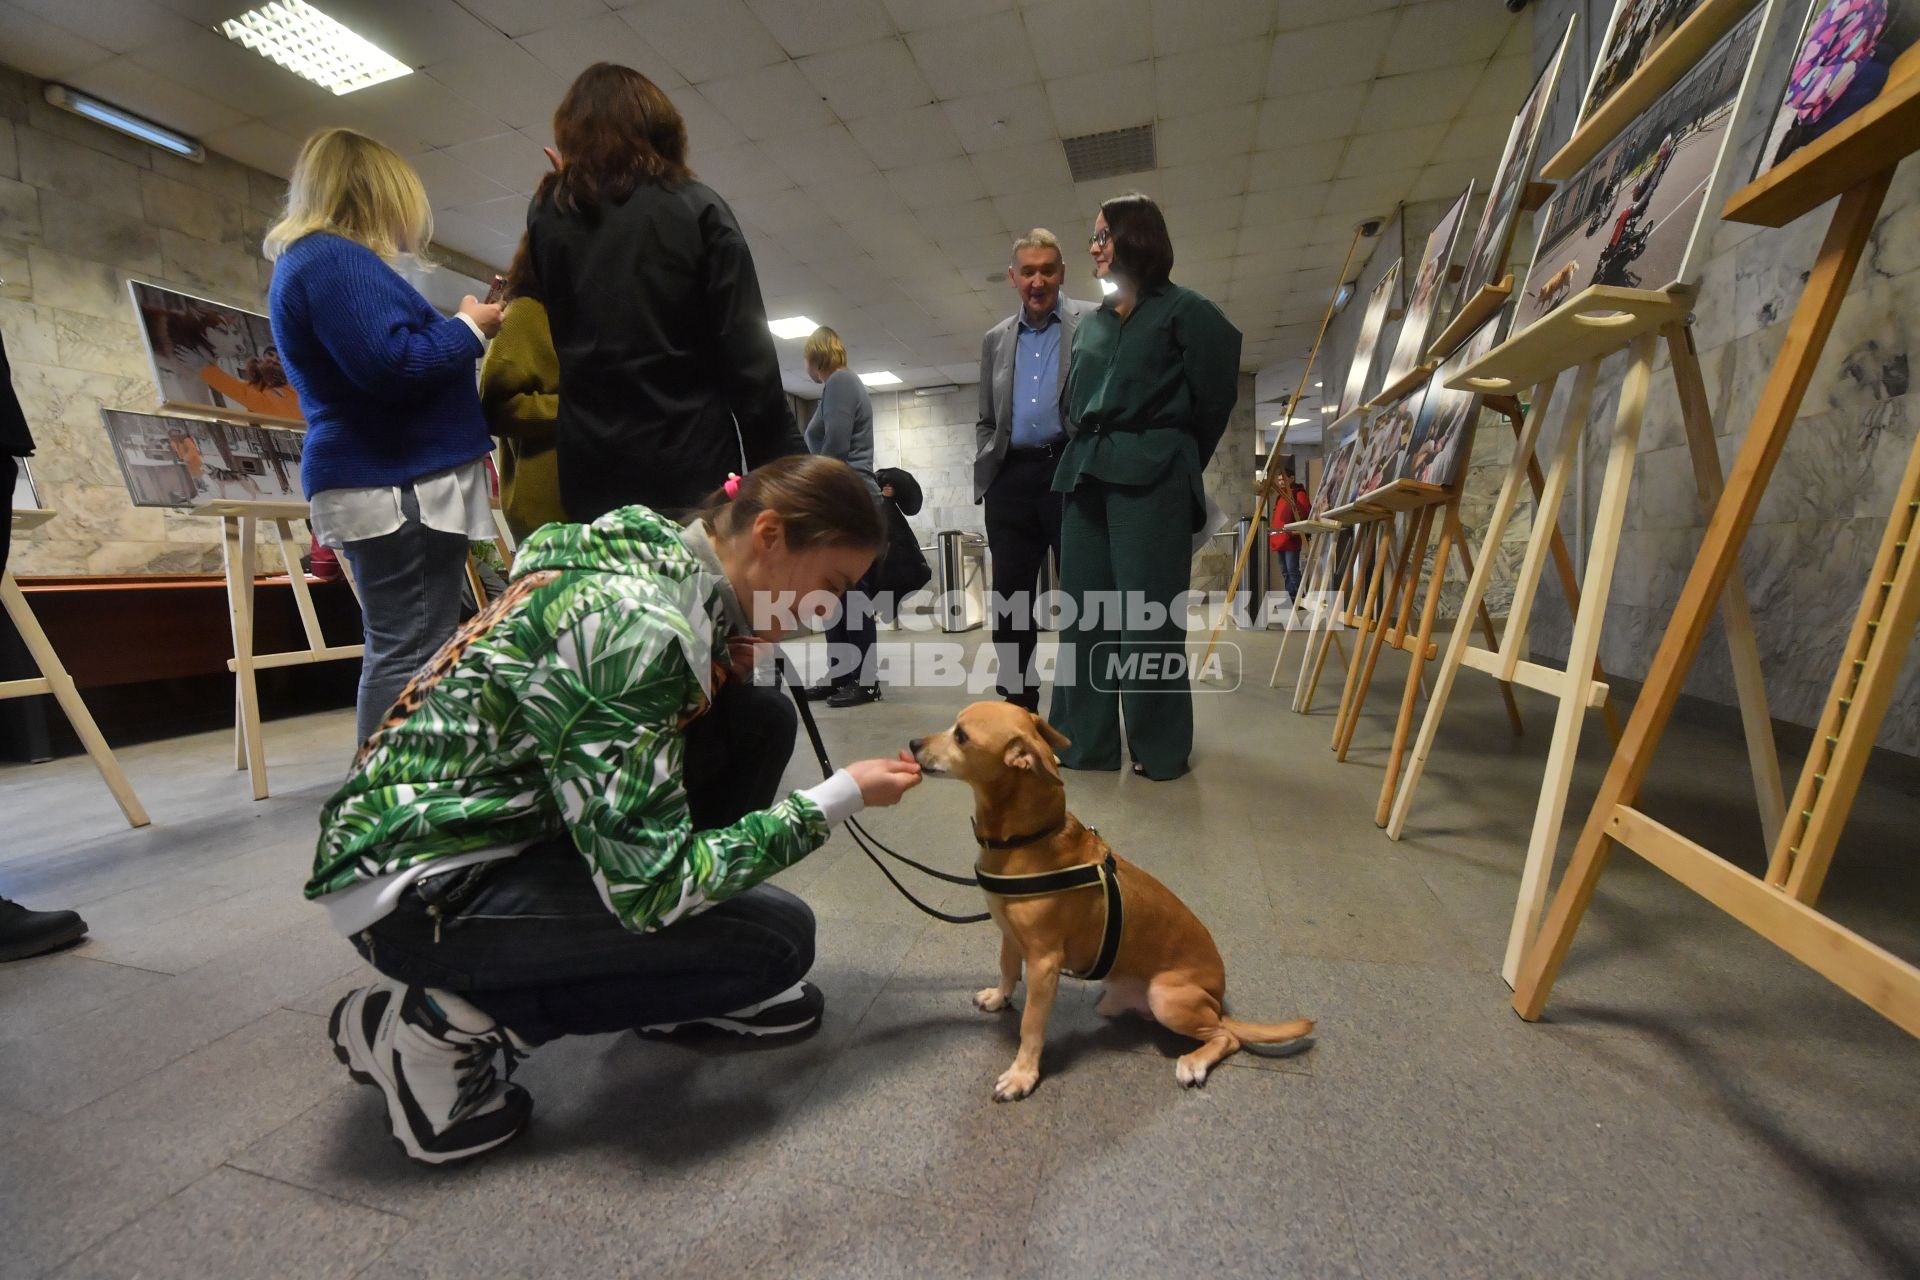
(1841, 63)
(1379, 302)
(1333, 477)
(212, 358)
(25, 496)
(1447, 417)
(1630, 217)
(1429, 287)
(190, 462)
(1387, 442)
(1638, 29)
(1487, 255)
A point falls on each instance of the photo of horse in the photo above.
(1429, 290)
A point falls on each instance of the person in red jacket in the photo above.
(1290, 506)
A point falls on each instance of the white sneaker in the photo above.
(794, 1010)
(432, 1054)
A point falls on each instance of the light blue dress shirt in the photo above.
(1036, 383)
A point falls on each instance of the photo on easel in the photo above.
(1429, 289)
(1333, 478)
(1386, 443)
(210, 357)
(1486, 258)
(1631, 216)
(186, 463)
(25, 496)
(1364, 350)
(1843, 61)
(1638, 30)
(1446, 418)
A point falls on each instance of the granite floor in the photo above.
(1696, 1104)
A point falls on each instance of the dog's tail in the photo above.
(1268, 1032)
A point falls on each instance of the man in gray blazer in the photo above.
(1021, 430)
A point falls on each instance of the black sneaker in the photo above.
(854, 695)
(432, 1054)
(26, 933)
(792, 1012)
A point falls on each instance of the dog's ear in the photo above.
(1053, 736)
(1035, 757)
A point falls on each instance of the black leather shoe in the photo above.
(26, 933)
(818, 692)
(854, 695)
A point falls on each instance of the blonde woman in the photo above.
(394, 462)
(842, 427)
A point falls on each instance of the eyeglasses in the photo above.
(1102, 238)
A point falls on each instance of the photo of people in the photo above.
(1429, 287)
(1843, 61)
(183, 462)
(208, 355)
(1333, 481)
(1628, 218)
(1385, 443)
(1378, 303)
(1487, 256)
(1446, 417)
(1639, 28)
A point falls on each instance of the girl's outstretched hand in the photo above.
(883, 782)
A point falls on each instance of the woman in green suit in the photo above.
(1154, 376)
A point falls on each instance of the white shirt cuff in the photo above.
(472, 324)
(838, 797)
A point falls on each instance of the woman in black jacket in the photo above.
(655, 308)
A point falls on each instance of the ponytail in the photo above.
(821, 501)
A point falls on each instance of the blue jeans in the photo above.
(1290, 571)
(529, 941)
(410, 583)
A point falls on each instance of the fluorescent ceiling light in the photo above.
(792, 327)
(1108, 286)
(91, 108)
(313, 46)
(881, 379)
(1291, 422)
(1318, 385)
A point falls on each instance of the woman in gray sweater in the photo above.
(842, 427)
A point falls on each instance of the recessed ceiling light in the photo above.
(792, 327)
(881, 379)
(313, 46)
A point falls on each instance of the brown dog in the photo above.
(1166, 968)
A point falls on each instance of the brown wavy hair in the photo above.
(614, 130)
(822, 501)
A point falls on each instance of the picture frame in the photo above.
(1333, 477)
(1366, 347)
(185, 463)
(1637, 30)
(1387, 439)
(1632, 216)
(212, 359)
(1427, 293)
(1447, 417)
(1843, 58)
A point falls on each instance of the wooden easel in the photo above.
(238, 524)
(1321, 537)
(1347, 568)
(1855, 161)
(1583, 332)
(53, 679)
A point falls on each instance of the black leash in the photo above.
(860, 834)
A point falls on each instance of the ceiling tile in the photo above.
(159, 98)
(978, 55)
(118, 26)
(1501, 89)
(1024, 168)
(974, 219)
(507, 216)
(706, 127)
(994, 122)
(261, 145)
(1444, 181)
(457, 230)
(1181, 26)
(768, 103)
(1023, 211)
(1419, 97)
(1301, 168)
(1188, 139)
(1209, 78)
(1475, 138)
(417, 32)
(1309, 117)
(821, 155)
(1204, 246)
(507, 81)
(889, 238)
(1334, 53)
(1216, 213)
(939, 182)
(705, 39)
(1392, 149)
(222, 70)
(1102, 100)
(813, 26)
(868, 79)
(1076, 37)
(41, 48)
(568, 48)
(918, 15)
(742, 170)
(867, 197)
(906, 137)
(450, 183)
(1223, 177)
(1375, 194)
(511, 159)
(522, 17)
(1443, 33)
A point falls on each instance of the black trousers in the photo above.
(850, 637)
(1023, 524)
(530, 943)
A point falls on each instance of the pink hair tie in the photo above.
(732, 487)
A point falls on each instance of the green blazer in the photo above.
(1149, 396)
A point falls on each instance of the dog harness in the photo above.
(1043, 884)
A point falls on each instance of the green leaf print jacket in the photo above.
(560, 708)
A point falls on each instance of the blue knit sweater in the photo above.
(386, 382)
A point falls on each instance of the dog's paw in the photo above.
(1014, 1084)
(990, 1000)
(1190, 1074)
